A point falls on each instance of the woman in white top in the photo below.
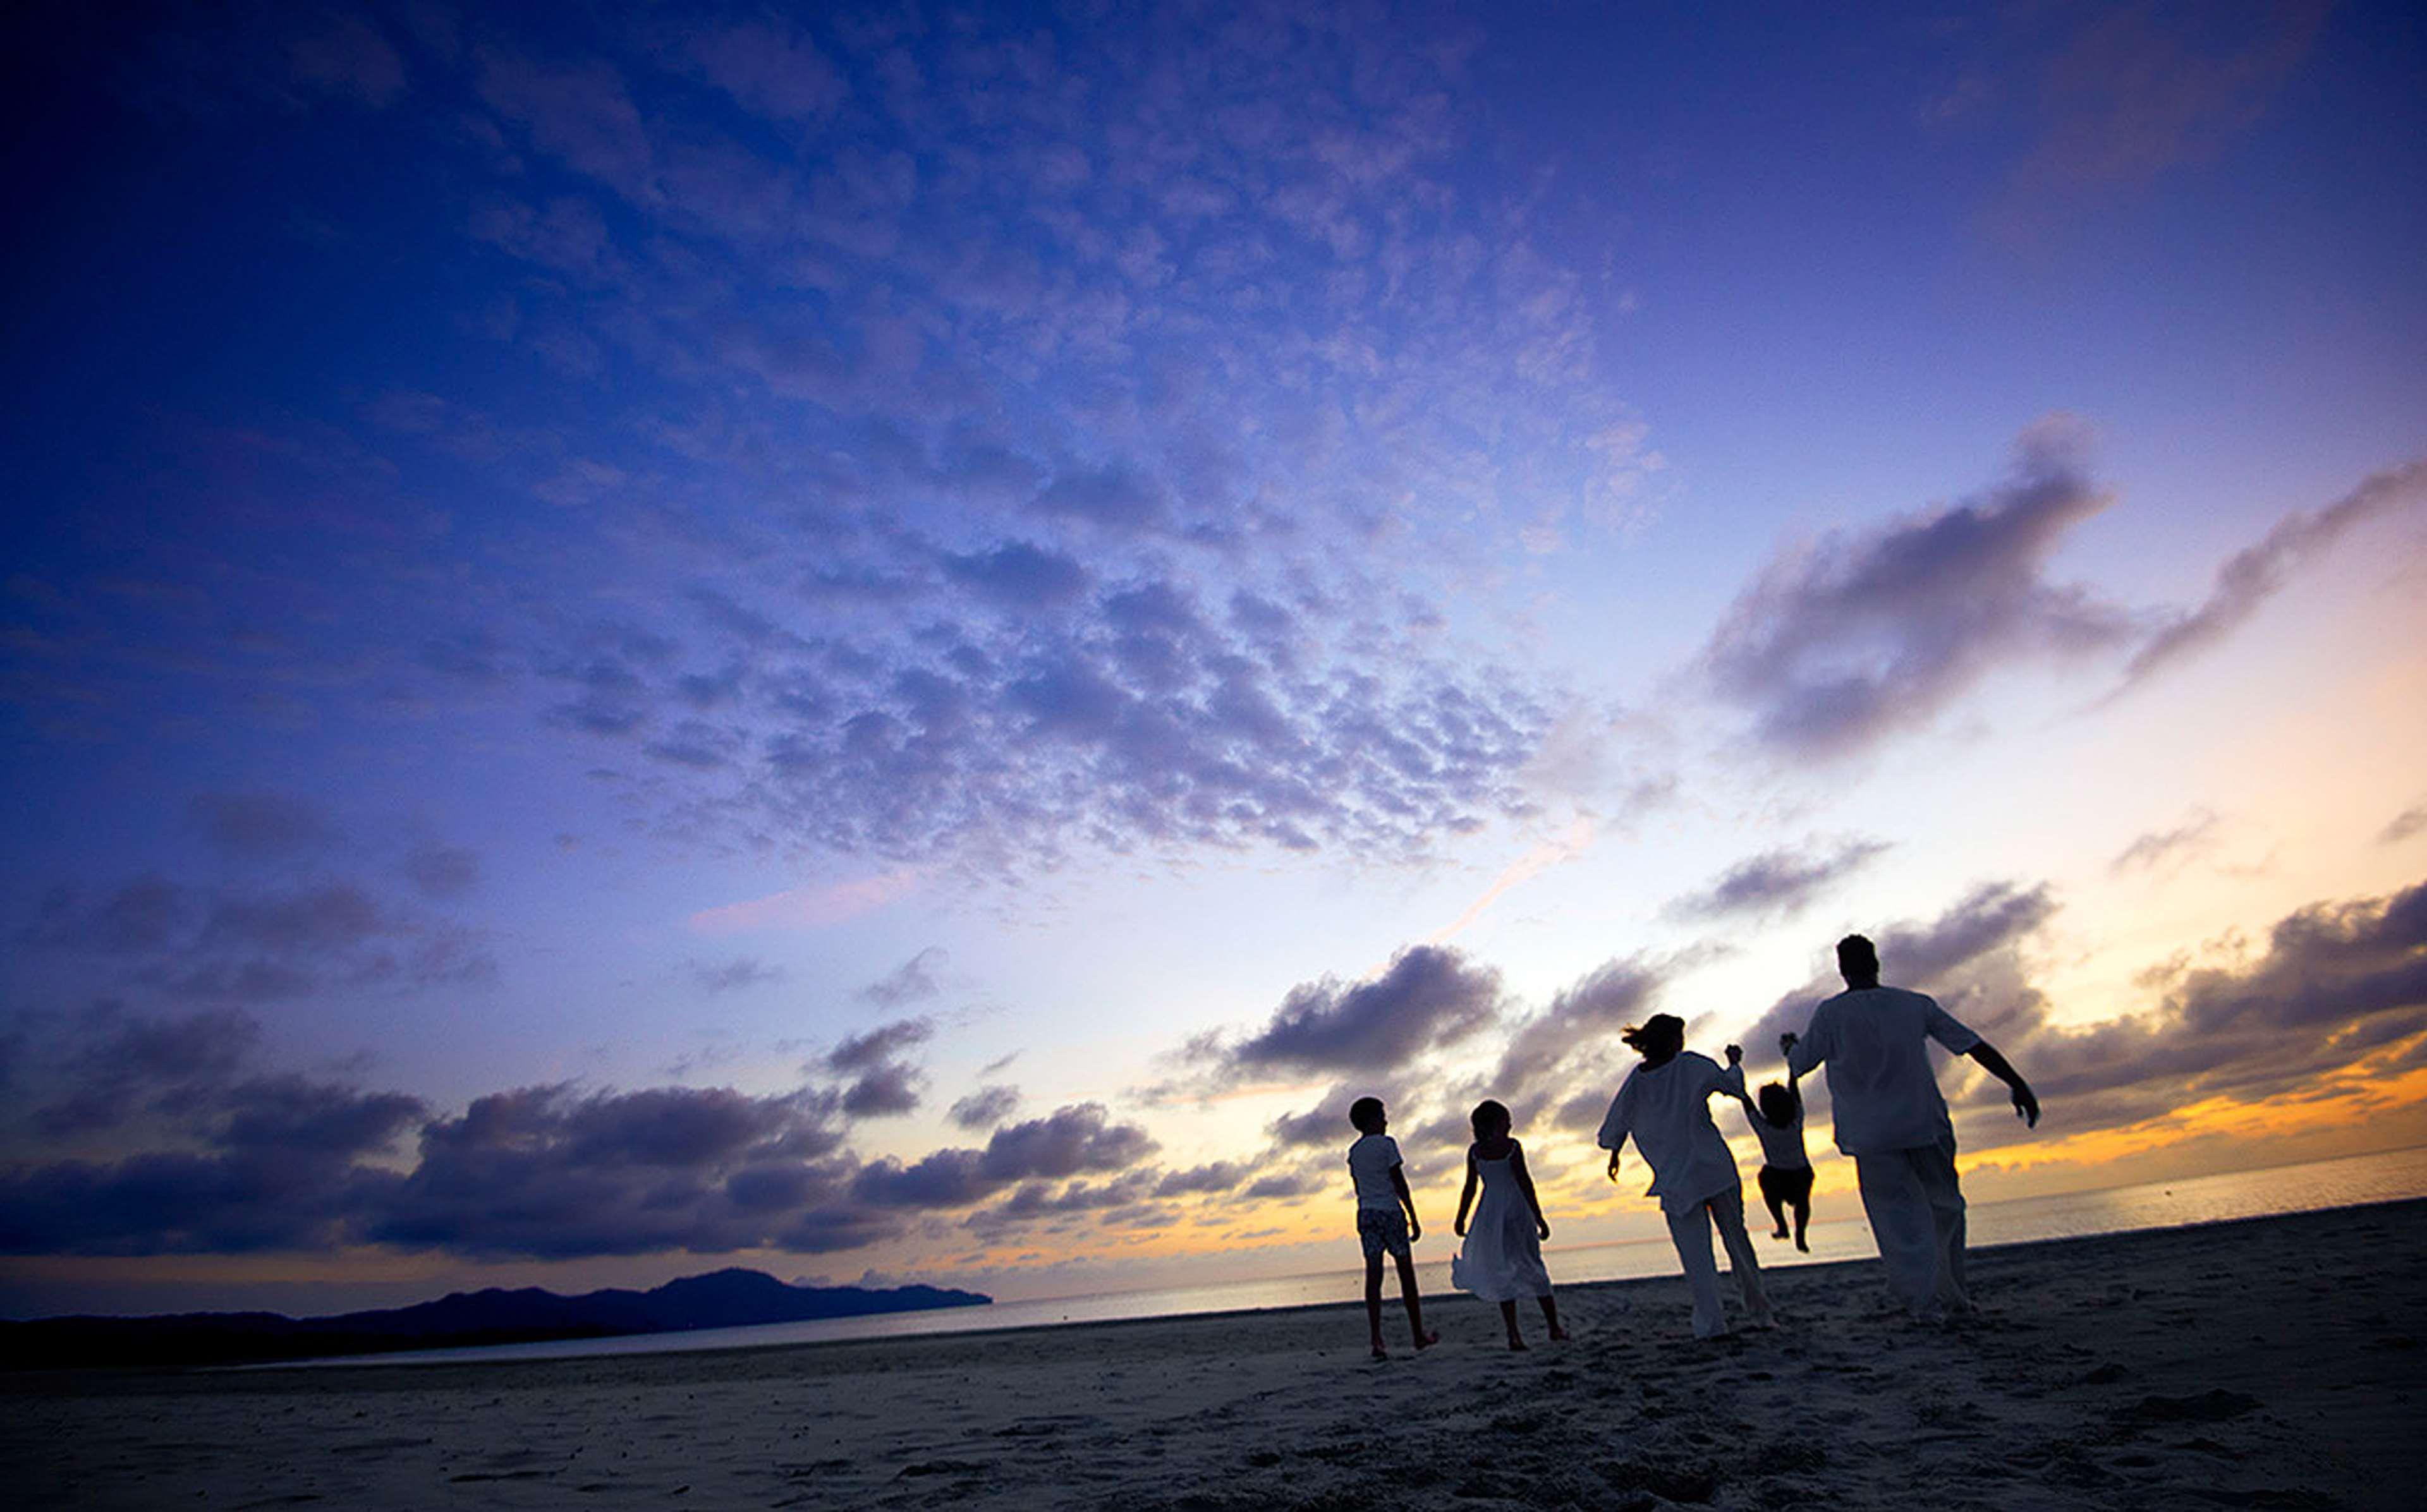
(1665, 1107)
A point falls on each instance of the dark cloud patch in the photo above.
(175, 1202)
(884, 1091)
(2334, 984)
(1216, 1176)
(130, 1066)
(1325, 1122)
(859, 1052)
(143, 916)
(2163, 850)
(293, 1114)
(738, 975)
(2254, 574)
(2410, 821)
(543, 1172)
(1115, 497)
(444, 872)
(1429, 997)
(1020, 576)
(261, 826)
(913, 981)
(1080, 1138)
(1853, 637)
(1072, 1141)
(1776, 883)
(947, 1179)
(1283, 1185)
(987, 1106)
(316, 919)
(250, 945)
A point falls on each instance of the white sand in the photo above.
(2274, 1363)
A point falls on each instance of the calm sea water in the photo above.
(2351, 1182)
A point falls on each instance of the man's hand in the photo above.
(1459, 1227)
(1542, 1225)
(1735, 1055)
(1613, 1165)
(1415, 1229)
(2026, 1107)
(1786, 1043)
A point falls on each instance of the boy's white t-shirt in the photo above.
(1782, 1148)
(1883, 1091)
(1666, 1110)
(1369, 1164)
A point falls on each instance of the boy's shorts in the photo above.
(1383, 1233)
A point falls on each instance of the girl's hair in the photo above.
(1654, 1032)
(1778, 1104)
(1489, 1117)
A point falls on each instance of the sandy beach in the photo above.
(2269, 1363)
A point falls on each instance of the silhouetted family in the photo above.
(1889, 1117)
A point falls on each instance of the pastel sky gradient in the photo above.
(910, 642)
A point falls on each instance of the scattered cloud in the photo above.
(261, 826)
(737, 974)
(1429, 996)
(985, 1108)
(1844, 641)
(443, 872)
(2140, 91)
(913, 981)
(2410, 821)
(2165, 849)
(1776, 883)
(2255, 572)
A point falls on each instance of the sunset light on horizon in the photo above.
(907, 644)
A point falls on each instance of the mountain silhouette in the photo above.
(729, 1298)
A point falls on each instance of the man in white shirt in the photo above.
(1891, 1118)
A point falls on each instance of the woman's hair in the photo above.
(1659, 1031)
(1778, 1104)
(1489, 1117)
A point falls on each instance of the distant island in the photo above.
(730, 1298)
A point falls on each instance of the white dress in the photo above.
(1502, 1260)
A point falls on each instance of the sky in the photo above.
(907, 643)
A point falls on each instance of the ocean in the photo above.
(2351, 1181)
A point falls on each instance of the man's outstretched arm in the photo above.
(1998, 1066)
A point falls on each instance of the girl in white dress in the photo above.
(1502, 1260)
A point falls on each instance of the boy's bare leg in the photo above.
(1508, 1316)
(1551, 1316)
(1415, 1303)
(1777, 1214)
(1374, 1303)
(1802, 1220)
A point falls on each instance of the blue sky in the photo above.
(897, 638)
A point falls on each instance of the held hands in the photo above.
(1786, 1043)
(1735, 1055)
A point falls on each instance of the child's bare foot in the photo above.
(1427, 1340)
(1801, 1246)
(1515, 1342)
(1779, 1233)
(1379, 1353)
(1559, 1336)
